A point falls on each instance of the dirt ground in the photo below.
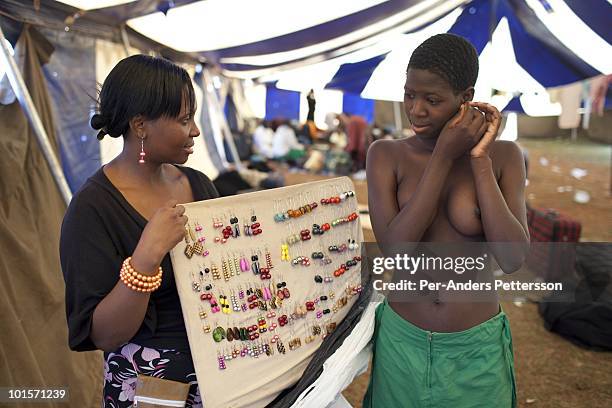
(550, 371)
(550, 166)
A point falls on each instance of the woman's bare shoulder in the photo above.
(391, 150)
(504, 150)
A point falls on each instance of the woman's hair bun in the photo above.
(97, 121)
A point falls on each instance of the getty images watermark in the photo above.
(403, 263)
(470, 271)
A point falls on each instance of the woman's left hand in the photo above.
(493, 120)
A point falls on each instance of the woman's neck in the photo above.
(126, 165)
(427, 143)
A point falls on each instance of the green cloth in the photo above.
(417, 368)
(294, 154)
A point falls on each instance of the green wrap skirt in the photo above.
(418, 368)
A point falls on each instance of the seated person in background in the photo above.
(356, 129)
(284, 139)
(262, 139)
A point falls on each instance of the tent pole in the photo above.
(397, 116)
(218, 110)
(25, 100)
(125, 41)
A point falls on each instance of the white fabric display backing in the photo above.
(249, 381)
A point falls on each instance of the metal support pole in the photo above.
(397, 116)
(218, 110)
(25, 100)
(125, 41)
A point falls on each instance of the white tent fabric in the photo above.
(597, 51)
(94, 4)
(213, 24)
(263, 50)
(255, 95)
(387, 80)
(360, 41)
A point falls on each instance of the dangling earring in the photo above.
(142, 152)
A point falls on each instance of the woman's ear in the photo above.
(137, 126)
(468, 94)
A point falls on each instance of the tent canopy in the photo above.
(282, 34)
(362, 46)
(263, 38)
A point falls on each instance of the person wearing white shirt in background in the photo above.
(262, 140)
(284, 139)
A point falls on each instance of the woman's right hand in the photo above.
(461, 133)
(163, 231)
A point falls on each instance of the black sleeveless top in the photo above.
(101, 229)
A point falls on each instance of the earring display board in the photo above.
(263, 277)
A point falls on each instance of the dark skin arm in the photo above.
(502, 206)
(165, 229)
(408, 224)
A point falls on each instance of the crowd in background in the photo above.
(341, 148)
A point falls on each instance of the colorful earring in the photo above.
(255, 264)
(235, 227)
(284, 252)
(221, 361)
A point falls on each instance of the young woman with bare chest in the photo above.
(450, 183)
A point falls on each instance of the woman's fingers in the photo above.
(483, 128)
(459, 115)
(180, 210)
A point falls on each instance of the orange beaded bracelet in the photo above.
(137, 281)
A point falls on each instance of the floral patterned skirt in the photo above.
(122, 367)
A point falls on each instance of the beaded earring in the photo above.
(221, 361)
(255, 264)
(255, 227)
(280, 346)
(225, 270)
(243, 306)
(224, 303)
(309, 338)
(203, 317)
(142, 154)
(301, 260)
(235, 227)
(214, 271)
(268, 259)
(195, 285)
(214, 306)
(295, 342)
(264, 272)
(278, 215)
(234, 300)
(268, 350)
(284, 252)
(217, 223)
